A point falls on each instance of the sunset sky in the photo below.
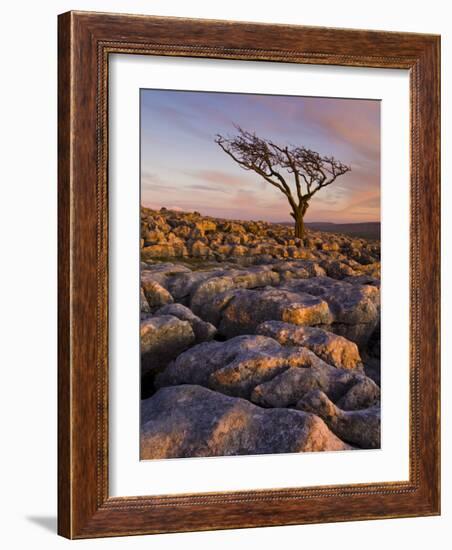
(183, 168)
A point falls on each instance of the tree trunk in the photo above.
(299, 227)
(298, 216)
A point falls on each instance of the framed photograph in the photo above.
(248, 275)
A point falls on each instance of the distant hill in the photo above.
(365, 230)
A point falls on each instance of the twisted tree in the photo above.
(299, 173)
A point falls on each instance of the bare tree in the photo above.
(297, 172)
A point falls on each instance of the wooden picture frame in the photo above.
(86, 40)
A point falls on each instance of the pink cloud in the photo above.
(218, 177)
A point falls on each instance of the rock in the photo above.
(182, 231)
(374, 343)
(195, 365)
(233, 278)
(330, 246)
(230, 238)
(365, 258)
(260, 369)
(255, 277)
(349, 303)
(144, 305)
(338, 270)
(182, 285)
(238, 250)
(174, 234)
(243, 310)
(207, 298)
(365, 393)
(173, 239)
(242, 375)
(260, 258)
(160, 272)
(156, 295)
(363, 280)
(162, 339)
(163, 251)
(319, 294)
(206, 226)
(199, 249)
(300, 269)
(355, 308)
(154, 237)
(333, 349)
(286, 389)
(203, 331)
(210, 297)
(231, 227)
(360, 427)
(372, 369)
(191, 421)
(373, 271)
(286, 274)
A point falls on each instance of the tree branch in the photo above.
(267, 159)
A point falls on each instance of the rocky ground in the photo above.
(255, 342)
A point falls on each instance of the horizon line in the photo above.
(279, 222)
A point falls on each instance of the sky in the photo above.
(183, 168)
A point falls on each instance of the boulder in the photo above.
(374, 344)
(258, 368)
(362, 395)
(333, 349)
(182, 231)
(237, 250)
(207, 298)
(160, 272)
(210, 284)
(230, 238)
(357, 427)
(156, 295)
(286, 389)
(170, 234)
(330, 246)
(355, 308)
(349, 303)
(191, 421)
(286, 274)
(372, 368)
(231, 227)
(300, 269)
(243, 310)
(195, 365)
(182, 285)
(255, 277)
(206, 226)
(203, 331)
(337, 269)
(163, 251)
(363, 280)
(162, 339)
(144, 305)
(210, 297)
(241, 376)
(199, 249)
(152, 236)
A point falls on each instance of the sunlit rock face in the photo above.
(253, 341)
(190, 421)
(335, 350)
